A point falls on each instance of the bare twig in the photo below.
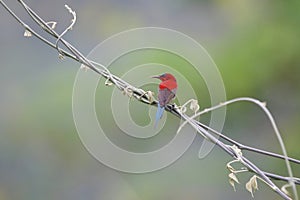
(146, 98)
(245, 147)
(262, 105)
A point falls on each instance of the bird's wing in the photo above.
(165, 96)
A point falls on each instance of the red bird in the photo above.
(166, 92)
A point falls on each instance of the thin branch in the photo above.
(73, 21)
(247, 148)
(143, 97)
(262, 105)
(282, 178)
(241, 158)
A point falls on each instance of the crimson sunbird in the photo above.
(166, 92)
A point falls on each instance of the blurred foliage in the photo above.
(257, 52)
(263, 50)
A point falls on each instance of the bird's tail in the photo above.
(159, 113)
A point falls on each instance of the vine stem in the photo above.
(262, 105)
(71, 52)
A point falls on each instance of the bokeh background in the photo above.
(254, 43)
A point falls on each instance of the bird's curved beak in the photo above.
(156, 77)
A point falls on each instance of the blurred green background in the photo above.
(254, 43)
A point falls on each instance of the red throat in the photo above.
(170, 84)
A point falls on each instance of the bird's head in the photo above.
(165, 77)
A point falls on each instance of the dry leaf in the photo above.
(194, 106)
(232, 180)
(84, 67)
(232, 184)
(233, 177)
(230, 168)
(251, 185)
(108, 83)
(128, 91)
(27, 33)
(264, 104)
(150, 96)
(52, 24)
(237, 150)
(61, 57)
